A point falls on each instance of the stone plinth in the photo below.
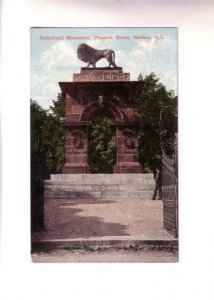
(127, 150)
(101, 92)
(101, 74)
(76, 149)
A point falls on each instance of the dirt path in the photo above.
(116, 218)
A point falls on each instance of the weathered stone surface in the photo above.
(103, 178)
(104, 186)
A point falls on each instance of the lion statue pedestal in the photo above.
(101, 74)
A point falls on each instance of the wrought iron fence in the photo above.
(170, 191)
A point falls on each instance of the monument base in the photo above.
(128, 168)
(101, 74)
(76, 169)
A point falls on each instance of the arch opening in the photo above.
(107, 109)
(102, 150)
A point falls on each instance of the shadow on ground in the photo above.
(68, 223)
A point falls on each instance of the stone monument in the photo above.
(101, 92)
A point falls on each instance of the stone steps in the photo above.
(99, 186)
(98, 195)
(102, 177)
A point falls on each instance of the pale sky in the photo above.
(56, 60)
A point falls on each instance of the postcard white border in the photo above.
(191, 277)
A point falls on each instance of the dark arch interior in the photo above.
(105, 109)
(102, 112)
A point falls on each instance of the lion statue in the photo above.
(91, 56)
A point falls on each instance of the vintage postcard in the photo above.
(104, 144)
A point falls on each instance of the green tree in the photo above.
(47, 151)
(102, 146)
(59, 108)
(38, 163)
(38, 144)
(48, 137)
(55, 136)
(158, 122)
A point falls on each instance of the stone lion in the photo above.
(91, 56)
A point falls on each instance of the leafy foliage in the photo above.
(102, 146)
(47, 150)
(158, 122)
(47, 138)
(55, 137)
(38, 145)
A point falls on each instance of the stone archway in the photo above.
(105, 108)
(103, 91)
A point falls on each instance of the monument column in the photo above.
(76, 149)
(127, 150)
(76, 133)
